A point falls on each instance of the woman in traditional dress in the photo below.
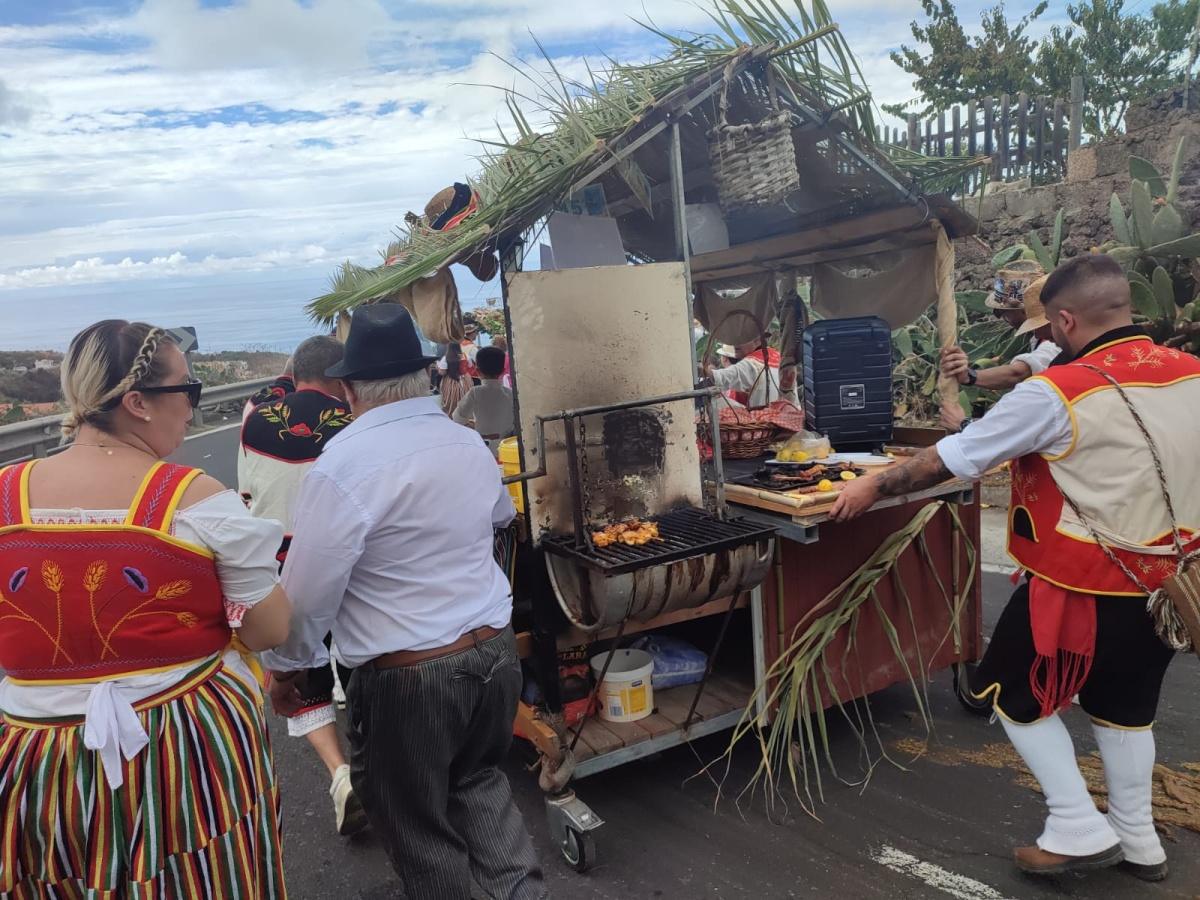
(455, 381)
(134, 759)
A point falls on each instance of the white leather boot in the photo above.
(1074, 828)
(1129, 770)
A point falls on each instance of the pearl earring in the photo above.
(147, 418)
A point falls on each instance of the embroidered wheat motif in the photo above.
(167, 591)
(93, 579)
(173, 589)
(52, 576)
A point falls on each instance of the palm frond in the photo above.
(804, 680)
(521, 180)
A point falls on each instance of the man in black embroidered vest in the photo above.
(281, 439)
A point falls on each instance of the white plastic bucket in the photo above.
(626, 693)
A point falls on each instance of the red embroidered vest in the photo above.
(1109, 472)
(81, 602)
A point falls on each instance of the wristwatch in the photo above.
(972, 375)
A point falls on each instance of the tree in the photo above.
(957, 67)
(38, 386)
(1122, 55)
(14, 414)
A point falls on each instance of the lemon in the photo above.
(848, 476)
(824, 485)
(799, 456)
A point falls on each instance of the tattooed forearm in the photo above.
(922, 471)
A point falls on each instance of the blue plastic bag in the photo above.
(676, 662)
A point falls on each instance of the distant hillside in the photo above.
(230, 366)
(30, 379)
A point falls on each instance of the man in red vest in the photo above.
(754, 379)
(1095, 443)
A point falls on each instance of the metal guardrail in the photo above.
(37, 437)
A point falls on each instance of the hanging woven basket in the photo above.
(754, 164)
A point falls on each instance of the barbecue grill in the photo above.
(621, 443)
(683, 533)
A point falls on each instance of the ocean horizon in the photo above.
(272, 318)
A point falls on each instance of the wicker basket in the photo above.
(746, 441)
(754, 164)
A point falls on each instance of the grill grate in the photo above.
(684, 533)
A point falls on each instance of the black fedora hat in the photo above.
(382, 343)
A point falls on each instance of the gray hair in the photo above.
(393, 390)
(314, 356)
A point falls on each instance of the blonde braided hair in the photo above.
(94, 354)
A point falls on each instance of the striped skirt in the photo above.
(197, 816)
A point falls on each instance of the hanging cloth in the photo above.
(740, 319)
(897, 293)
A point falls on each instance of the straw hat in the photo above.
(1011, 283)
(449, 207)
(439, 203)
(1035, 313)
(727, 351)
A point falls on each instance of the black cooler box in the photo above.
(848, 381)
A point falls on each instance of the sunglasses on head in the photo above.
(191, 387)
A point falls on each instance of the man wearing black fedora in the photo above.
(392, 552)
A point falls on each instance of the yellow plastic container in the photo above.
(510, 462)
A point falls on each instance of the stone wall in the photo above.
(1008, 212)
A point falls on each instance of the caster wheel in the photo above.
(579, 850)
(962, 690)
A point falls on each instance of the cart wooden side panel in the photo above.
(810, 571)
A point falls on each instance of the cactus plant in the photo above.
(1033, 248)
(1158, 254)
(1147, 231)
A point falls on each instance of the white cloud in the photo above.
(273, 135)
(95, 270)
(13, 107)
(319, 36)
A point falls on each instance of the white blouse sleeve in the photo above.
(245, 548)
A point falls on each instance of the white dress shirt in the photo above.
(393, 540)
(1031, 418)
(490, 406)
(1041, 354)
(747, 375)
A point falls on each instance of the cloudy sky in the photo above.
(226, 154)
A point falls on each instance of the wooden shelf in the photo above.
(604, 745)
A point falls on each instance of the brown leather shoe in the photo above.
(1037, 861)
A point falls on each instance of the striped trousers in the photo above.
(426, 744)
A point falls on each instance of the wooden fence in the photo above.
(1025, 137)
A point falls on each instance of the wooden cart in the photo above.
(605, 369)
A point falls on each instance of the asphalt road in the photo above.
(214, 451)
(942, 826)
(938, 826)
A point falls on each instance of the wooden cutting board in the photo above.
(790, 503)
